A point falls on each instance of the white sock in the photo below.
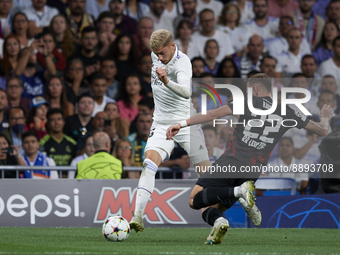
(220, 218)
(146, 186)
(238, 191)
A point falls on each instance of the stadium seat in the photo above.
(268, 183)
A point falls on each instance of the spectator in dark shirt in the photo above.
(109, 70)
(34, 80)
(106, 26)
(142, 38)
(14, 90)
(124, 24)
(145, 105)
(145, 65)
(88, 55)
(3, 105)
(78, 125)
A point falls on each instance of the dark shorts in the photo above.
(209, 180)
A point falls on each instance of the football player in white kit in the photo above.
(171, 87)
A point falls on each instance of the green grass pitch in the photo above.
(169, 241)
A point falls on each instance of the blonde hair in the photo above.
(160, 38)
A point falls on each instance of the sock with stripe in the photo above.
(146, 186)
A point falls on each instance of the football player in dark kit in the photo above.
(250, 146)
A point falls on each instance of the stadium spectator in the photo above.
(125, 54)
(55, 94)
(210, 137)
(61, 5)
(34, 80)
(251, 60)
(16, 127)
(108, 69)
(14, 90)
(36, 117)
(327, 97)
(208, 31)
(124, 24)
(79, 124)
(246, 9)
(197, 67)
(63, 35)
(101, 165)
(89, 151)
(106, 36)
(57, 145)
(130, 92)
(98, 89)
(39, 16)
(229, 23)
(123, 151)
(189, 13)
(142, 37)
(145, 105)
(160, 21)
(289, 62)
(172, 9)
(279, 45)
(58, 58)
(310, 24)
(74, 77)
(309, 67)
(286, 159)
(329, 83)
(228, 70)
(324, 50)
(320, 8)
(332, 65)
(95, 8)
(3, 106)
(5, 18)
(299, 80)
(78, 18)
(136, 9)
(144, 66)
(33, 157)
(333, 11)
(214, 6)
(20, 29)
(116, 129)
(279, 8)
(262, 25)
(9, 156)
(268, 66)
(183, 39)
(211, 50)
(9, 61)
(138, 139)
(20, 5)
(88, 55)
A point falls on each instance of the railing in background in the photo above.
(191, 173)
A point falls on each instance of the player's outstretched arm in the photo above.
(321, 128)
(198, 119)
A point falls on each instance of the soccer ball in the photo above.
(116, 229)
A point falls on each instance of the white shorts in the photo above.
(191, 139)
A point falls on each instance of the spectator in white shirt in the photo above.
(288, 161)
(229, 23)
(332, 65)
(214, 5)
(262, 25)
(183, 39)
(39, 16)
(157, 8)
(95, 8)
(279, 45)
(290, 61)
(309, 67)
(89, 151)
(246, 9)
(98, 89)
(135, 9)
(208, 31)
(173, 9)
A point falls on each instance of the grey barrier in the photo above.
(87, 203)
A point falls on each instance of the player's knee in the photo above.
(191, 203)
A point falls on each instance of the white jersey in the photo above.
(171, 108)
(288, 64)
(279, 45)
(247, 13)
(239, 36)
(267, 32)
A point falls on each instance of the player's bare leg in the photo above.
(146, 186)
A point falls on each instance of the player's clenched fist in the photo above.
(172, 131)
(162, 75)
(326, 112)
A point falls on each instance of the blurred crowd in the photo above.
(71, 68)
